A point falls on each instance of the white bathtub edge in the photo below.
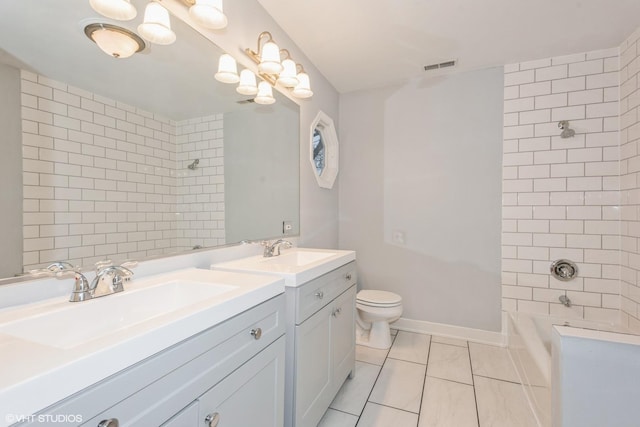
(451, 331)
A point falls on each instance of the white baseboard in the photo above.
(451, 331)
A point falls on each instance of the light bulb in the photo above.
(122, 10)
(270, 59)
(247, 84)
(208, 13)
(157, 25)
(265, 94)
(227, 69)
(303, 89)
(288, 77)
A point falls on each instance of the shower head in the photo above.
(194, 165)
(566, 132)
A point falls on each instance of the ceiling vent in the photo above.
(446, 64)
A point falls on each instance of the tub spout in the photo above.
(565, 300)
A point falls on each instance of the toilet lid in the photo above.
(373, 297)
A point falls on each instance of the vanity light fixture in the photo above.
(113, 40)
(121, 10)
(247, 84)
(156, 27)
(276, 70)
(265, 94)
(227, 69)
(207, 13)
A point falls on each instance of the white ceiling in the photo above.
(360, 44)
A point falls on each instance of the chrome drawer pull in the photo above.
(337, 311)
(256, 333)
(111, 422)
(212, 419)
(348, 276)
(320, 294)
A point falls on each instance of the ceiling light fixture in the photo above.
(113, 40)
(122, 10)
(207, 13)
(156, 27)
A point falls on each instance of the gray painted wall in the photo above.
(420, 194)
(10, 172)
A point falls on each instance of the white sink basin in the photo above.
(109, 314)
(297, 265)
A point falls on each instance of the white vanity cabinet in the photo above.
(232, 372)
(320, 343)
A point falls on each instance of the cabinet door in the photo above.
(313, 368)
(253, 395)
(343, 336)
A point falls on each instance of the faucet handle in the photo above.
(129, 264)
(100, 265)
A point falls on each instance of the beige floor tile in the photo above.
(449, 362)
(370, 355)
(354, 392)
(448, 404)
(502, 404)
(450, 341)
(493, 362)
(333, 418)
(410, 347)
(384, 416)
(399, 385)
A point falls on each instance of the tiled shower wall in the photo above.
(103, 179)
(630, 179)
(561, 197)
(200, 192)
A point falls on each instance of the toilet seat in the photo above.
(373, 298)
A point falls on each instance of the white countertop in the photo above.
(35, 375)
(297, 266)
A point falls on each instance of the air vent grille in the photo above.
(445, 64)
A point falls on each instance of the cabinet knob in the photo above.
(320, 294)
(212, 420)
(337, 312)
(256, 333)
(348, 276)
(111, 422)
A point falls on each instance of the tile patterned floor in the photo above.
(430, 381)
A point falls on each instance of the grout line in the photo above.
(404, 360)
(424, 381)
(473, 382)
(451, 381)
(497, 379)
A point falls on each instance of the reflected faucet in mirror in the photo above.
(273, 249)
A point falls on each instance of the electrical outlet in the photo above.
(287, 227)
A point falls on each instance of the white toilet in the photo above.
(376, 309)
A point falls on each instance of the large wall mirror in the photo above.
(130, 158)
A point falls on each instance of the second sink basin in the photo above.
(106, 315)
(298, 258)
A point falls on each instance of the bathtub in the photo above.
(530, 348)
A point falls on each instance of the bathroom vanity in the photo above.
(231, 358)
(320, 290)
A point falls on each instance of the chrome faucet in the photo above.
(113, 275)
(273, 249)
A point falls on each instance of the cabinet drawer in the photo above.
(314, 295)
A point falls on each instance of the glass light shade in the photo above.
(157, 26)
(265, 94)
(303, 89)
(288, 77)
(208, 13)
(247, 84)
(227, 69)
(122, 10)
(115, 43)
(270, 59)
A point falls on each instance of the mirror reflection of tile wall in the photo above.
(103, 179)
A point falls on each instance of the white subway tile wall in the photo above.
(561, 197)
(630, 180)
(103, 179)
